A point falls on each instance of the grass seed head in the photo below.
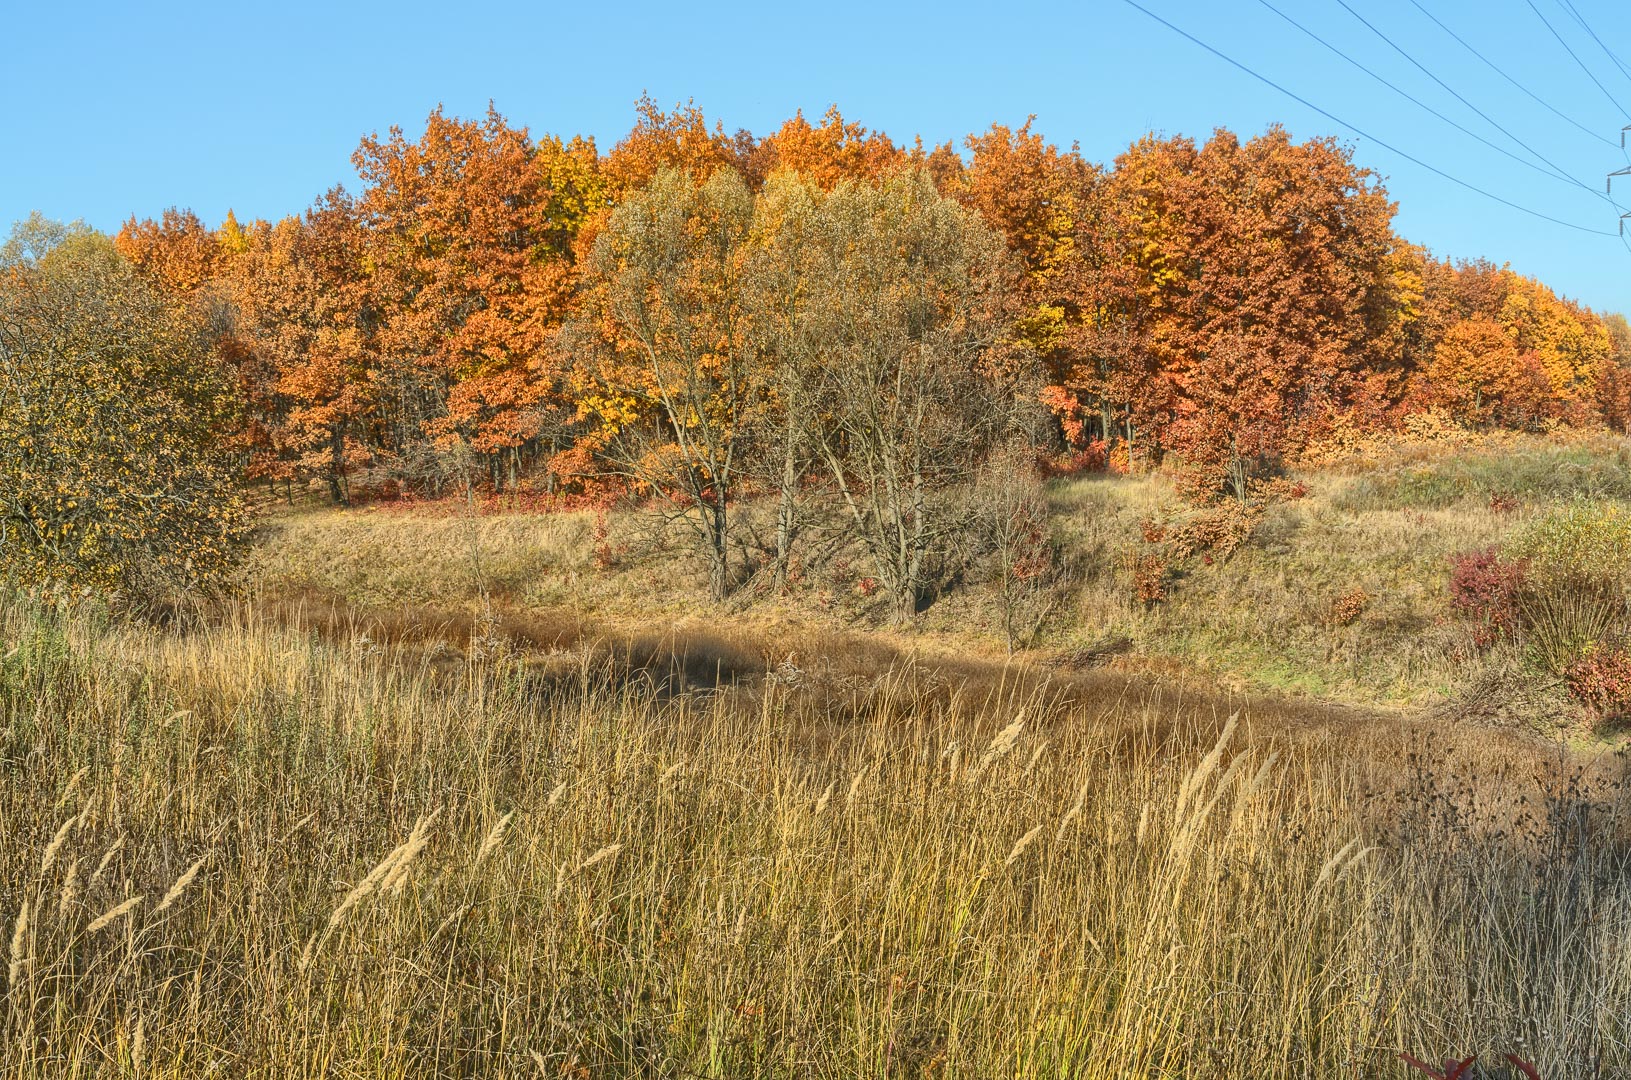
(115, 913)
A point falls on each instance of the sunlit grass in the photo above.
(321, 856)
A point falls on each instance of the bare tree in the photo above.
(1010, 505)
(906, 314)
(785, 443)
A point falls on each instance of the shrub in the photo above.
(1346, 608)
(1094, 457)
(1573, 595)
(1601, 681)
(113, 476)
(1484, 587)
(1149, 573)
(1218, 530)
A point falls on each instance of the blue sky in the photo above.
(124, 108)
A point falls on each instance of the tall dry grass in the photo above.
(250, 851)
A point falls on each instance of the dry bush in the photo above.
(260, 852)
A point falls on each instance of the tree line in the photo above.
(696, 317)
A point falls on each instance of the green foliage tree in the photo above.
(112, 411)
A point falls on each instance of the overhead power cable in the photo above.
(1564, 178)
(1568, 5)
(1454, 93)
(1599, 136)
(1573, 55)
(1361, 132)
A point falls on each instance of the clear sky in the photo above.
(119, 108)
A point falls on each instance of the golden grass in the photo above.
(378, 863)
(1255, 621)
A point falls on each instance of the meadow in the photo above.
(402, 817)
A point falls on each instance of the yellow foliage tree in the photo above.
(112, 414)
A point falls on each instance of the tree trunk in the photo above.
(785, 513)
(336, 468)
(718, 553)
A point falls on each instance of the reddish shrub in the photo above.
(1502, 503)
(1153, 531)
(1091, 458)
(1149, 578)
(1484, 587)
(1346, 609)
(867, 586)
(1219, 530)
(1601, 681)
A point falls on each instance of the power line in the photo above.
(1360, 131)
(1568, 6)
(1491, 120)
(1497, 69)
(1606, 196)
(1571, 53)
(1422, 104)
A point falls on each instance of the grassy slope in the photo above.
(1257, 621)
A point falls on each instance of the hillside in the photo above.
(1377, 536)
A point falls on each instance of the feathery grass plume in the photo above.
(668, 773)
(495, 837)
(1335, 861)
(1036, 756)
(538, 1060)
(19, 947)
(417, 839)
(70, 888)
(855, 784)
(1244, 792)
(109, 916)
(297, 826)
(85, 811)
(73, 784)
(1341, 862)
(1198, 776)
(55, 846)
(1074, 812)
(1002, 743)
(362, 889)
(1184, 830)
(607, 852)
(1020, 846)
(181, 884)
(101, 867)
(138, 1046)
(555, 796)
(826, 797)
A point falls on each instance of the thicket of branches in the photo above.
(695, 317)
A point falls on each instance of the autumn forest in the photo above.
(697, 316)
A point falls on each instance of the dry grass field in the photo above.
(248, 851)
(447, 798)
